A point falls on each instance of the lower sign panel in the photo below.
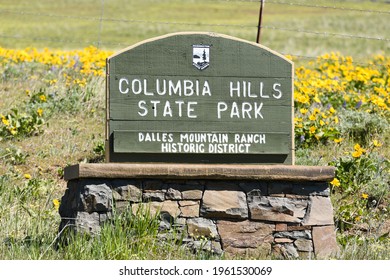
(201, 142)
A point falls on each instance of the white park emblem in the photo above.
(201, 56)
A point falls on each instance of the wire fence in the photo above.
(102, 20)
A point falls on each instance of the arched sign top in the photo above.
(227, 56)
(199, 97)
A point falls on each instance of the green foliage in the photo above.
(16, 124)
(364, 248)
(363, 190)
(14, 156)
(360, 126)
(126, 236)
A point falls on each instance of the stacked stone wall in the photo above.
(253, 218)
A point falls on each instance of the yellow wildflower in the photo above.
(312, 129)
(4, 120)
(42, 97)
(357, 147)
(53, 82)
(335, 182)
(13, 130)
(40, 112)
(303, 111)
(297, 119)
(377, 143)
(56, 204)
(356, 154)
(364, 195)
(357, 219)
(317, 99)
(338, 140)
(358, 151)
(27, 176)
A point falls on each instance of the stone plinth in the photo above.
(252, 210)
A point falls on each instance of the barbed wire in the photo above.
(329, 7)
(101, 19)
(341, 8)
(328, 33)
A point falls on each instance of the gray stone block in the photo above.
(277, 209)
(96, 198)
(201, 227)
(224, 204)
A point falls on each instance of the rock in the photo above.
(320, 212)
(201, 227)
(192, 194)
(96, 198)
(244, 234)
(324, 241)
(305, 255)
(283, 240)
(173, 194)
(166, 220)
(278, 209)
(303, 188)
(254, 188)
(127, 190)
(297, 227)
(306, 234)
(207, 246)
(184, 191)
(122, 206)
(153, 191)
(189, 208)
(154, 207)
(279, 187)
(304, 245)
(285, 251)
(280, 227)
(291, 251)
(224, 204)
(88, 223)
(70, 201)
(261, 252)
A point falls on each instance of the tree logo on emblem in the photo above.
(201, 56)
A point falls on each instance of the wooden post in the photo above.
(260, 20)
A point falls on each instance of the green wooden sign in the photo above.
(199, 98)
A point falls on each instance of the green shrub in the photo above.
(360, 126)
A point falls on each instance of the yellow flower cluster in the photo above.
(335, 182)
(87, 61)
(337, 79)
(358, 151)
(8, 126)
(334, 82)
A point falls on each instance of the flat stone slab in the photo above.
(200, 171)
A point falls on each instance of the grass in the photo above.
(117, 24)
(31, 180)
(31, 166)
